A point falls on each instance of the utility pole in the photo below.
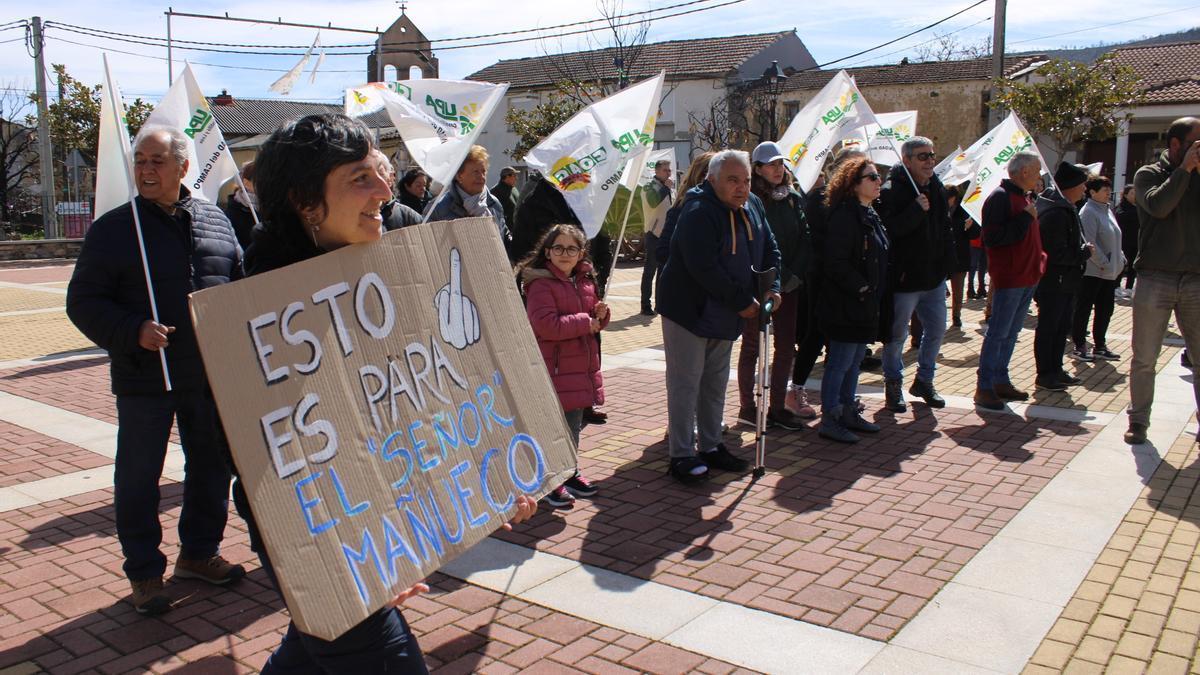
(170, 62)
(997, 57)
(45, 150)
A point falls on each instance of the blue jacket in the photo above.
(707, 278)
(107, 298)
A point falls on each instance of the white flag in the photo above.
(114, 155)
(284, 84)
(585, 157)
(834, 114)
(962, 167)
(1095, 168)
(991, 166)
(210, 163)
(439, 120)
(942, 170)
(320, 60)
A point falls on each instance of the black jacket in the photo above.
(242, 220)
(790, 227)
(1127, 220)
(541, 206)
(1062, 240)
(395, 216)
(922, 243)
(856, 254)
(962, 239)
(107, 298)
(504, 192)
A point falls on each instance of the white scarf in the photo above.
(476, 205)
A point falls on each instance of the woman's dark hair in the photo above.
(292, 166)
(759, 185)
(1097, 183)
(411, 176)
(845, 178)
(538, 258)
(1126, 190)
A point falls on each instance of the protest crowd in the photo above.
(850, 266)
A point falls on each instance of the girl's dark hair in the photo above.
(1097, 183)
(292, 165)
(538, 258)
(845, 179)
(411, 176)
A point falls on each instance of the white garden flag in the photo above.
(586, 156)
(284, 84)
(942, 170)
(439, 120)
(991, 165)
(834, 114)
(114, 155)
(210, 163)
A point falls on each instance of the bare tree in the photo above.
(947, 47)
(604, 67)
(18, 145)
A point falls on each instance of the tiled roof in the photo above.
(1170, 72)
(713, 57)
(911, 73)
(248, 116)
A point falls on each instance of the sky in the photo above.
(830, 30)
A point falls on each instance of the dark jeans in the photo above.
(783, 329)
(143, 429)
(839, 383)
(381, 643)
(602, 253)
(1055, 309)
(1009, 306)
(1094, 293)
(649, 270)
(809, 338)
(978, 269)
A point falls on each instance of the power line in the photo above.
(1105, 25)
(195, 63)
(617, 17)
(919, 44)
(894, 41)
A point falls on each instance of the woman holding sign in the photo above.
(321, 188)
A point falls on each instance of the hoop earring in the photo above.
(313, 228)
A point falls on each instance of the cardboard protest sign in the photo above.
(385, 404)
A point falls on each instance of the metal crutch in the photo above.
(763, 280)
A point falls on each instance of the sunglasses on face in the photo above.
(926, 156)
(565, 250)
(871, 177)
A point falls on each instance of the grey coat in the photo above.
(1100, 227)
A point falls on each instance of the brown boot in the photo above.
(987, 398)
(1006, 391)
(148, 596)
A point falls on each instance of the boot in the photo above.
(833, 429)
(1006, 391)
(893, 392)
(926, 391)
(853, 420)
(987, 398)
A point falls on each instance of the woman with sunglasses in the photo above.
(855, 271)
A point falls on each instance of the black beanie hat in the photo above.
(1068, 176)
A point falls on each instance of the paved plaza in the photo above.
(1026, 541)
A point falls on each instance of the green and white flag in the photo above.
(991, 161)
(883, 139)
(114, 154)
(586, 157)
(942, 170)
(836, 113)
(210, 163)
(439, 120)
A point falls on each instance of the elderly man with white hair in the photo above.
(707, 289)
(189, 245)
(1016, 263)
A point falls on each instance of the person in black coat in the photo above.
(297, 226)
(189, 245)
(965, 229)
(239, 208)
(1127, 220)
(541, 205)
(1066, 254)
(508, 194)
(855, 277)
(414, 190)
(395, 214)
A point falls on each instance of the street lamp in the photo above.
(772, 79)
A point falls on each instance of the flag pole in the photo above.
(118, 110)
(249, 202)
(635, 164)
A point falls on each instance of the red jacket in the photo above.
(560, 310)
(1012, 238)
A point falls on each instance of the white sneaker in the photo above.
(797, 403)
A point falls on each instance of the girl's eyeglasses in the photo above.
(565, 250)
